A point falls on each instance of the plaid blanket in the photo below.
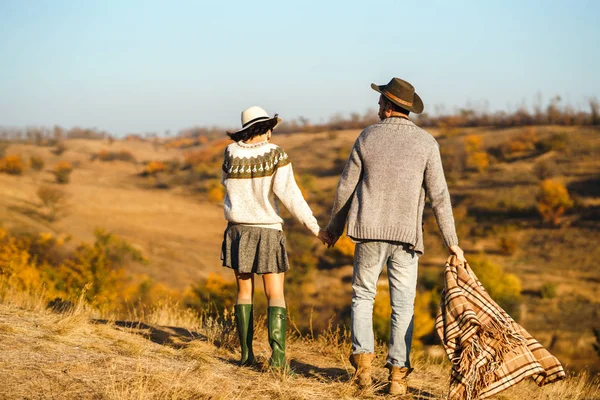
(488, 349)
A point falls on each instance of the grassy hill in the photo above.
(171, 218)
(172, 354)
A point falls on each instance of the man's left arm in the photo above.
(437, 191)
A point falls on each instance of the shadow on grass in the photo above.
(585, 188)
(171, 336)
(30, 212)
(311, 371)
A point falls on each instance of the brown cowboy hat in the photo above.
(401, 93)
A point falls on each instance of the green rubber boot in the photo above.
(245, 325)
(277, 324)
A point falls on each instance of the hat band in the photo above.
(399, 100)
(255, 120)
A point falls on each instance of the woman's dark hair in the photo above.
(396, 107)
(259, 128)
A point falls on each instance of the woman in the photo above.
(255, 174)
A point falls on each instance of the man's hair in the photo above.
(260, 128)
(395, 107)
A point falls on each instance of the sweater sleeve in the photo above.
(343, 195)
(437, 191)
(287, 191)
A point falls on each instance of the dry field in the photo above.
(170, 354)
(180, 232)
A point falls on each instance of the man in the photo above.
(381, 194)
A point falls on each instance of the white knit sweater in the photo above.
(255, 176)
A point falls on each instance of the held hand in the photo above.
(458, 252)
(333, 240)
(325, 237)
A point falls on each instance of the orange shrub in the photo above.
(476, 158)
(345, 246)
(553, 200)
(154, 167)
(62, 171)
(12, 165)
(479, 161)
(473, 143)
(216, 194)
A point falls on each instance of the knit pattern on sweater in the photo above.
(254, 167)
(392, 167)
(256, 177)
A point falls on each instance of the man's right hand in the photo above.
(458, 252)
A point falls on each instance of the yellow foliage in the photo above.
(423, 321)
(154, 167)
(63, 166)
(382, 310)
(217, 291)
(503, 288)
(473, 143)
(216, 194)
(12, 165)
(553, 199)
(476, 157)
(345, 246)
(479, 161)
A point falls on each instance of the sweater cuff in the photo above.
(450, 240)
(315, 229)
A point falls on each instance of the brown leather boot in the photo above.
(362, 363)
(397, 381)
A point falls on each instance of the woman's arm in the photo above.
(288, 192)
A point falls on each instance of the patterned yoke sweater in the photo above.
(392, 167)
(255, 176)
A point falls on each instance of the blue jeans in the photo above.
(369, 259)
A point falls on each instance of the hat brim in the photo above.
(417, 105)
(271, 121)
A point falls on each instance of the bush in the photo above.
(37, 163)
(548, 290)
(216, 194)
(553, 200)
(505, 289)
(477, 159)
(154, 167)
(556, 142)
(62, 171)
(53, 199)
(12, 165)
(214, 292)
(547, 169)
(508, 245)
(106, 155)
(60, 148)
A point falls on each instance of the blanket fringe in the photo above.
(477, 369)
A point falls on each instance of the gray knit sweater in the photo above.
(392, 167)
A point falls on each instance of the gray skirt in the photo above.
(250, 249)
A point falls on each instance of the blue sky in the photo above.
(140, 66)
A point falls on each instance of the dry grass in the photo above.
(72, 356)
(182, 235)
